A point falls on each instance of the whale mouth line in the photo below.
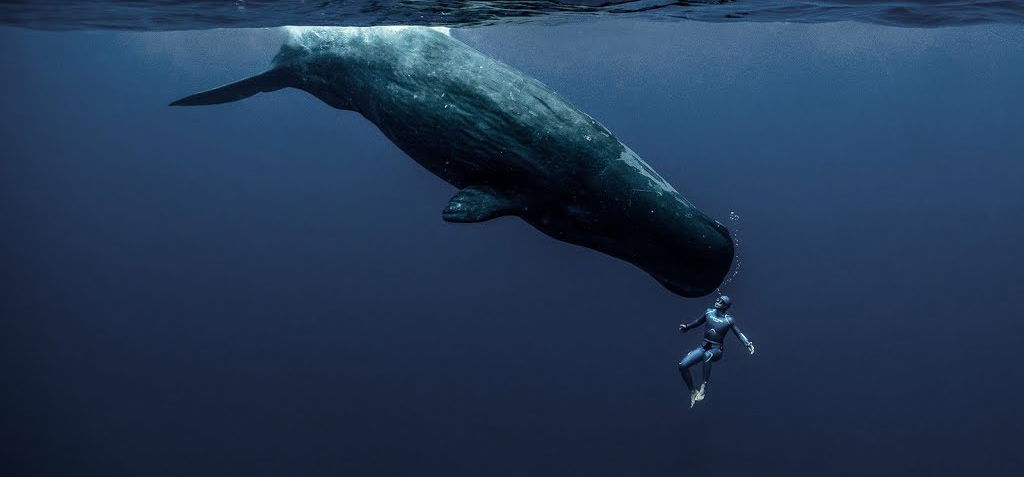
(687, 291)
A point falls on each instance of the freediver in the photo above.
(717, 325)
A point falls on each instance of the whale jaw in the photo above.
(671, 253)
(697, 289)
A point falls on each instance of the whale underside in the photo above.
(508, 142)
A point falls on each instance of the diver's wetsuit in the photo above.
(718, 325)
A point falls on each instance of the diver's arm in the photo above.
(699, 321)
(742, 337)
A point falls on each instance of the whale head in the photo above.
(684, 250)
(630, 212)
(690, 256)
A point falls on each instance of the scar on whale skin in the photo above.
(510, 144)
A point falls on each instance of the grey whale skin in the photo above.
(509, 143)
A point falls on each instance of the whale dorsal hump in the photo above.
(479, 203)
(265, 82)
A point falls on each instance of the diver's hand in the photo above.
(750, 347)
(683, 328)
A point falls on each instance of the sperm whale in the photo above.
(511, 145)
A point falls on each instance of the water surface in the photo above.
(200, 14)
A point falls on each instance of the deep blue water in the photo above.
(267, 288)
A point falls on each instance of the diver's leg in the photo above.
(710, 356)
(685, 373)
(691, 358)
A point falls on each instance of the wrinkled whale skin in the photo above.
(511, 144)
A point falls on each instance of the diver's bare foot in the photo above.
(693, 398)
(698, 395)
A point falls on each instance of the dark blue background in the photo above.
(267, 288)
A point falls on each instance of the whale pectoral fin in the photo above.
(477, 204)
(265, 82)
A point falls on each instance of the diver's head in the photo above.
(723, 303)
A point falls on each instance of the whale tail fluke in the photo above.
(265, 82)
